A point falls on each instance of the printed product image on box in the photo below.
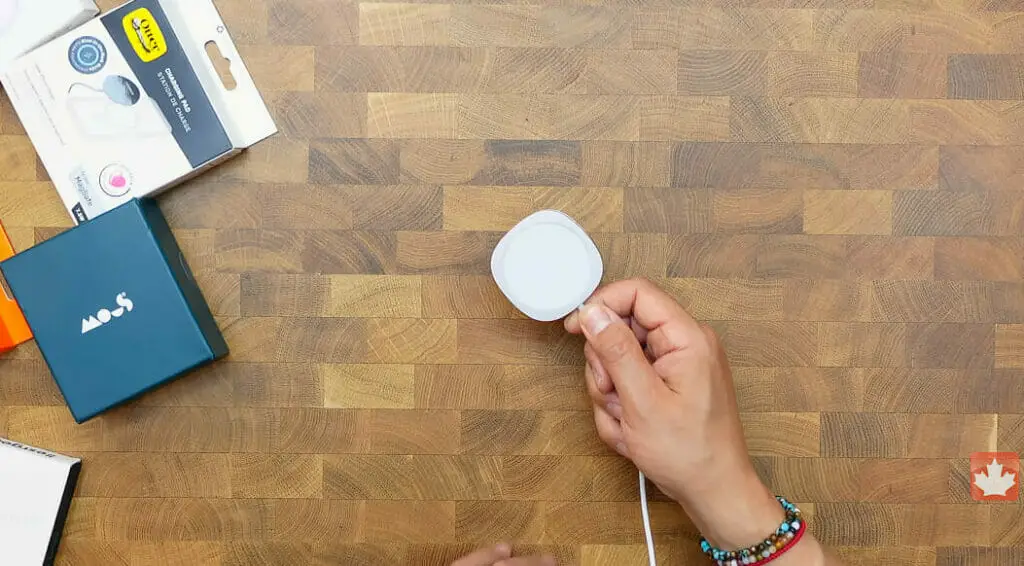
(114, 308)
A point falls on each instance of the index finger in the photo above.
(668, 324)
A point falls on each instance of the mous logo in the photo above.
(145, 35)
(124, 304)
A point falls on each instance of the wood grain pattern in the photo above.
(157, 475)
(819, 166)
(937, 525)
(1000, 74)
(977, 555)
(277, 476)
(887, 556)
(626, 164)
(864, 212)
(1009, 339)
(911, 481)
(832, 185)
(368, 386)
(768, 73)
(979, 168)
(902, 74)
(920, 436)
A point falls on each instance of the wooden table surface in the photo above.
(834, 185)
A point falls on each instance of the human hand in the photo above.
(663, 397)
(501, 555)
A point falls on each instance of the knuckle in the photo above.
(617, 348)
(710, 336)
(711, 344)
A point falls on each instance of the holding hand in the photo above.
(663, 397)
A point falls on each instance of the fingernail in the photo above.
(614, 409)
(503, 549)
(549, 561)
(621, 449)
(595, 319)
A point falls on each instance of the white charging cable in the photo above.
(647, 521)
(645, 511)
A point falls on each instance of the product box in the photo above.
(26, 24)
(36, 487)
(130, 103)
(14, 329)
(114, 308)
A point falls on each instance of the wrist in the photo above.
(735, 514)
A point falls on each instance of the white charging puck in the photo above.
(547, 265)
(8, 10)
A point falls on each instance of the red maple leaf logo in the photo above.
(995, 476)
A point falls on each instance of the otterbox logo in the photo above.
(145, 35)
(124, 304)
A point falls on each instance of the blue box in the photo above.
(114, 308)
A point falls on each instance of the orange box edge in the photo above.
(14, 328)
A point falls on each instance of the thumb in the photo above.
(621, 355)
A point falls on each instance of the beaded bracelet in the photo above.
(784, 538)
(792, 542)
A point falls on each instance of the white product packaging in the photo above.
(26, 24)
(131, 103)
(36, 487)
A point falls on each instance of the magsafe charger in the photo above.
(8, 10)
(547, 265)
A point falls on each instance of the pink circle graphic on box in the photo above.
(116, 180)
(8, 11)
